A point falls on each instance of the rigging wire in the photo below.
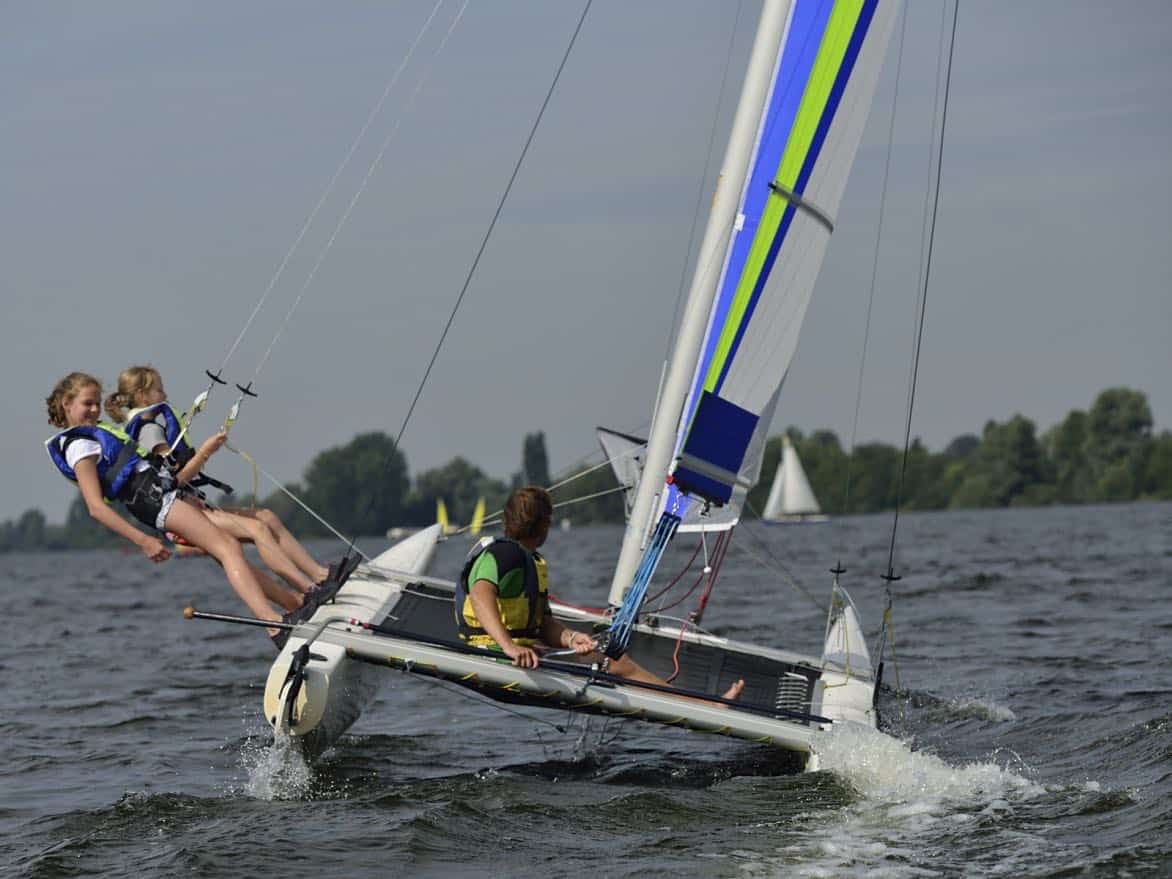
(483, 245)
(922, 308)
(489, 703)
(846, 490)
(495, 518)
(246, 390)
(330, 186)
(293, 497)
(358, 193)
(763, 547)
(214, 379)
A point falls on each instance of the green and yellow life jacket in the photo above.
(522, 610)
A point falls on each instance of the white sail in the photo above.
(807, 92)
(625, 454)
(790, 495)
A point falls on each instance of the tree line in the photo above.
(1104, 454)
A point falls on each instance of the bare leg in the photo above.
(625, 667)
(289, 544)
(254, 530)
(275, 592)
(190, 523)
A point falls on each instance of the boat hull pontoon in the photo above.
(788, 701)
(332, 690)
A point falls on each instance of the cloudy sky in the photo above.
(160, 159)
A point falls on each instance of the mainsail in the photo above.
(808, 89)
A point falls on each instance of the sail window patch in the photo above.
(711, 459)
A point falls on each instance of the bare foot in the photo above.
(734, 692)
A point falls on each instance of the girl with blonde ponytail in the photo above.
(107, 467)
(141, 402)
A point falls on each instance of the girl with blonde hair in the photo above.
(152, 422)
(108, 466)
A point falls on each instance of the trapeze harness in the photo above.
(125, 472)
(521, 614)
(181, 450)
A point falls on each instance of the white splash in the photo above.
(883, 768)
(907, 800)
(276, 771)
(983, 709)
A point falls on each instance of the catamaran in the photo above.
(807, 91)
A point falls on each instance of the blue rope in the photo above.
(618, 637)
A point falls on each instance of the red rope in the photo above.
(718, 554)
(666, 588)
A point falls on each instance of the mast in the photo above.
(721, 220)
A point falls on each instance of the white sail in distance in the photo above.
(790, 496)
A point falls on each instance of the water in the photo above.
(1031, 724)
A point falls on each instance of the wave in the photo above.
(957, 708)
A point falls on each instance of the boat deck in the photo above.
(427, 611)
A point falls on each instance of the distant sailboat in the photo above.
(446, 526)
(477, 518)
(790, 497)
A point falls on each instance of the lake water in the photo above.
(1030, 726)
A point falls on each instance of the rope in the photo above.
(695, 616)
(678, 577)
(710, 571)
(846, 490)
(922, 309)
(484, 242)
(256, 467)
(359, 192)
(330, 186)
(786, 573)
(484, 700)
(215, 379)
(495, 518)
(622, 623)
(583, 473)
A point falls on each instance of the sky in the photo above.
(160, 162)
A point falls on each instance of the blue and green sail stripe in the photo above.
(821, 48)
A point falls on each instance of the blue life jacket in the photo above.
(172, 429)
(181, 450)
(116, 464)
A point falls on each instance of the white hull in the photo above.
(797, 519)
(337, 689)
(803, 695)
